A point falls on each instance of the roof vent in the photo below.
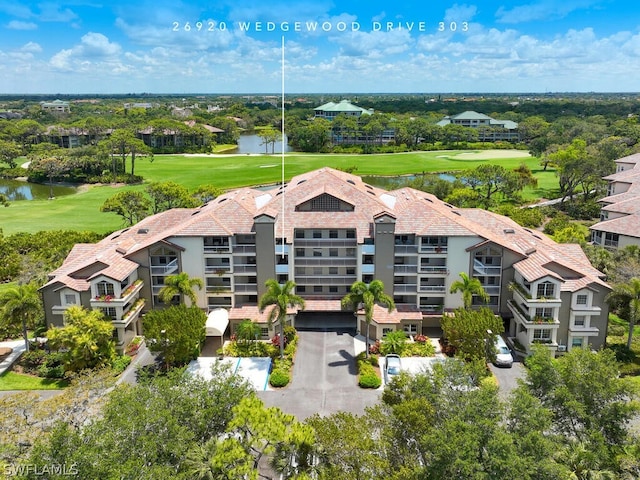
(121, 250)
(142, 231)
(222, 200)
(428, 200)
(351, 182)
(530, 251)
(509, 230)
(302, 181)
(449, 205)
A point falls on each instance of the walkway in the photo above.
(18, 349)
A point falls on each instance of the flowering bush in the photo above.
(375, 348)
(420, 338)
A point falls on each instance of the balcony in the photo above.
(344, 280)
(240, 249)
(434, 269)
(368, 249)
(404, 287)
(368, 269)
(245, 288)
(433, 288)
(212, 249)
(245, 268)
(434, 249)
(432, 309)
(527, 320)
(164, 270)
(406, 250)
(325, 242)
(217, 269)
(128, 294)
(327, 261)
(132, 313)
(403, 268)
(282, 269)
(486, 270)
(520, 295)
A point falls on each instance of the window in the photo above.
(333, 270)
(301, 288)
(577, 342)
(317, 270)
(333, 252)
(544, 312)
(109, 312)
(104, 288)
(264, 332)
(351, 271)
(317, 289)
(69, 299)
(579, 320)
(333, 289)
(299, 252)
(299, 233)
(542, 334)
(351, 234)
(333, 233)
(317, 252)
(317, 234)
(411, 328)
(581, 299)
(546, 289)
(385, 331)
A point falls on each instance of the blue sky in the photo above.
(128, 46)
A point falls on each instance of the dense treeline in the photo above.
(569, 419)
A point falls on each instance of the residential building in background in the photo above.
(324, 230)
(489, 129)
(619, 224)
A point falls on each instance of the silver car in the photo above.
(503, 358)
(392, 366)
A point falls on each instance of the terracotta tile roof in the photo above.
(381, 315)
(252, 313)
(628, 225)
(629, 206)
(322, 306)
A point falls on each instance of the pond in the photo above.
(389, 183)
(252, 143)
(20, 190)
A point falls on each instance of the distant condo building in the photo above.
(324, 230)
(619, 224)
(489, 129)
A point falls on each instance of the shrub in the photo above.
(52, 366)
(32, 360)
(616, 330)
(370, 380)
(120, 363)
(278, 378)
(419, 349)
(374, 348)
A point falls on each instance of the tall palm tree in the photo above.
(21, 304)
(469, 287)
(626, 296)
(180, 284)
(281, 297)
(368, 296)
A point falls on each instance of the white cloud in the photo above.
(542, 10)
(31, 47)
(52, 12)
(19, 25)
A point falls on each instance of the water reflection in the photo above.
(16, 190)
(252, 143)
(398, 181)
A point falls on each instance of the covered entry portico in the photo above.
(325, 316)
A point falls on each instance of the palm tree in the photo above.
(281, 297)
(469, 287)
(626, 296)
(368, 296)
(21, 304)
(182, 285)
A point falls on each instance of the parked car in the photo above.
(503, 357)
(392, 367)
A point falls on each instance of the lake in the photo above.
(389, 183)
(252, 143)
(18, 190)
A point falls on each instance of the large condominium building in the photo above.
(324, 230)
(619, 224)
(489, 129)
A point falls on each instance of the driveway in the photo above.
(324, 378)
(508, 377)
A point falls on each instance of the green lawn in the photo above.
(82, 210)
(16, 381)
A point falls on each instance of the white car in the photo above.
(392, 366)
(504, 358)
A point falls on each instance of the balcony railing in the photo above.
(325, 242)
(127, 294)
(404, 249)
(402, 268)
(440, 270)
(240, 249)
(325, 280)
(167, 269)
(527, 319)
(134, 311)
(217, 269)
(245, 288)
(485, 270)
(218, 289)
(328, 261)
(433, 288)
(437, 249)
(432, 308)
(217, 249)
(248, 268)
(404, 287)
